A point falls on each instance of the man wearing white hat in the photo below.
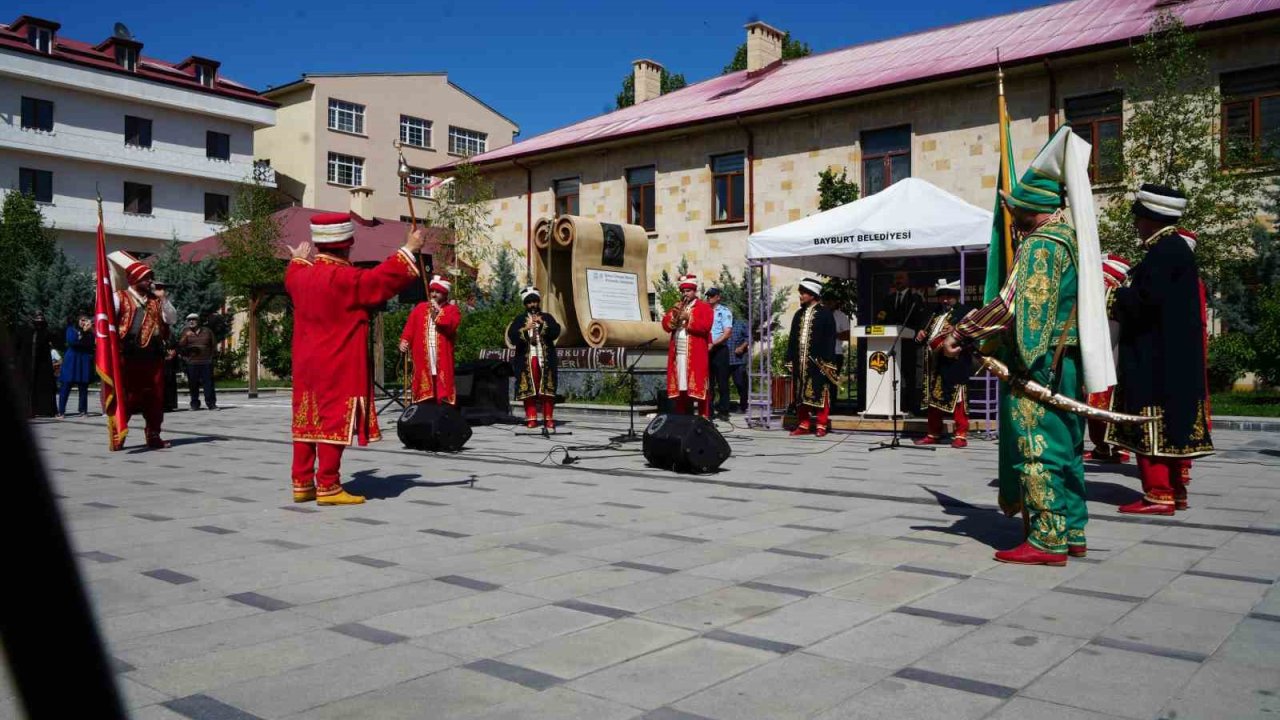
(332, 387)
(143, 316)
(810, 360)
(533, 334)
(945, 379)
(428, 336)
(1162, 362)
(688, 360)
(197, 345)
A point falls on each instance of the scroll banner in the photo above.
(596, 280)
(579, 358)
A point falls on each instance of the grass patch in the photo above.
(242, 384)
(1262, 403)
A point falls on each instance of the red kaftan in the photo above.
(699, 330)
(418, 331)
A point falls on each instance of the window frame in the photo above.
(457, 133)
(647, 201)
(127, 57)
(564, 200)
(418, 176)
(730, 195)
(210, 147)
(1253, 101)
(36, 105)
(36, 174)
(356, 111)
(39, 35)
(1094, 123)
(141, 123)
(886, 157)
(206, 75)
(138, 188)
(406, 126)
(335, 163)
(226, 209)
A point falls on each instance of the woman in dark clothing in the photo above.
(35, 367)
(77, 364)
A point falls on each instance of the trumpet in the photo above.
(683, 313)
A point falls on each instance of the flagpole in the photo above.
(1006, 175)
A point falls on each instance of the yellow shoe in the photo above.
(342, 497)
(304, 495)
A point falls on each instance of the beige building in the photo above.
(336, 131)
(705, 166)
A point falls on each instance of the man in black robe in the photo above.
(35, 367)
(946, 379)
(811, 353)
(533, 334)
(1162, 363)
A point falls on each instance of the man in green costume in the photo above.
(1050, 319)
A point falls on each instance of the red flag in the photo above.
(106, 353)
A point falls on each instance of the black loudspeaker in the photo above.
(417, 290)
(428, 426)
(484, 391)
(684, 443)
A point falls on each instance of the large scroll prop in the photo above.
(574, 248)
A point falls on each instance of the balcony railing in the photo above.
(263, 173)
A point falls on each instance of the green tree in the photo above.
(791, 49)
(665, 286)
(835, 190)
(1240, 285)
(58, 289)
(26, 244)
(249, 266)
(504, 288)
(460, 208)
(627, 96)
(1171, 138)
(194, 287)
(735, 296)
(1266, 341)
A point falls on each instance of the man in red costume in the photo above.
(1115, 270)
(429, 335)
(689, 322)
(143, 317)
(332, 388)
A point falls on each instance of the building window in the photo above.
(567, 196)
(467, 142)
(346, 170)
(137, 131)
(217, 146)
(727, 182)
(419, 178)
(37, 114)
(640, 197)
(886, 158)
(1099, 120)
(1251, 116)
(216, 207)
(127, 57)
(346, 117)
(41, 38)
(36, 183)
(205, 75)
(415, 131)
(137, 198)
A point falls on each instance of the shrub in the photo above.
(1230, 357)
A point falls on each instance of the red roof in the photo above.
(375, 240)
(102, 57)
(1022, 37)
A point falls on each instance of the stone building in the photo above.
(706, 165)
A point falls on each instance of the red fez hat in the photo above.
(332, 231)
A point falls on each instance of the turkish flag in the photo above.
(106, 353)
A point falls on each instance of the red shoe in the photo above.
(531, 423)
(1142, 507)
(821, 431)
(926, 440)
(1028, 554)
(959, 443)
(550, 425)
(800, 430)
(155, 443)
(1077, 550)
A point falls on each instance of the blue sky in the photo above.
(543, 64)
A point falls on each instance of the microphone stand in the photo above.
(630, 435)
(895, 441)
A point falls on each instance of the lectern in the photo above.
(884, 344)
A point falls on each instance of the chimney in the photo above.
(362, 204)
(764, 46)
(648, 76)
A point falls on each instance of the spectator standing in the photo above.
(197, 346)
(77, 364)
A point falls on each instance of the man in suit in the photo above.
(905, 307)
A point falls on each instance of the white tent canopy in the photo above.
(910, 217)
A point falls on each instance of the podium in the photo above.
(882, 367)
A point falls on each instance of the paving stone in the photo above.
(1001, 655)
(120, 628)
(504, 635)
(558, 703)
(790, 688)
(658, 678)
(718, 608)
(1253, 643)
(449, 614)
(1065, 614)
(1170, 626)
(1227, 690)
(807, 621)
(891, 641)
(1020, 708)
(891, 588)
(898, 698)
(1123, 580)
(455, 692)
(579, 653)
(203, 707)
(1102, 679)
(656, 592)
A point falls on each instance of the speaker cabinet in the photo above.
(684, 443)
(437, 428)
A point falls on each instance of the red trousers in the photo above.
(684, 402)
(1164, 480)
(305, 473)
(531, 404)
(961, 418)
(804, 413)
(144, 391)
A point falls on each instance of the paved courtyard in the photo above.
(810, 579)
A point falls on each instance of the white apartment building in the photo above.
(164, 144)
